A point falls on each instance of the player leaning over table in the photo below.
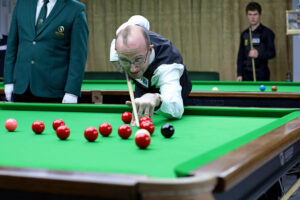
(263, 47)
(156, 67)
(46, 51)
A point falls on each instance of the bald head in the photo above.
(133, 48)
(132, 37)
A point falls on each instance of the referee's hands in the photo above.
(8, 90)
(145, 105)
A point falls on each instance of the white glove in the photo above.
(8, 90)
(70, 98)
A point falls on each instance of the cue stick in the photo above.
(291, 191)
(252, 59)
(132, 100)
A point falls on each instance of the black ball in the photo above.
(167, 130)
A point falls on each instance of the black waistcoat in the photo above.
(165, 53)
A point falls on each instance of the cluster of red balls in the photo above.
(142, 136)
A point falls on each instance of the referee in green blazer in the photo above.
(46, 51)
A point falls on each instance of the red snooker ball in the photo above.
(144, 118)
(148, 125)
(38, 127)
(91, 134)
(63, 132)
(274, 88)
(105, 129)
(126, 117)
(11, 124)
(124, 131)
(57, 123)
(142, 138)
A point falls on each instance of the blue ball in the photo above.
(262, 88)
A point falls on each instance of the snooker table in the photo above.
(241, 94)
(215, 153)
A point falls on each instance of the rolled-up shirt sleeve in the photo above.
(167, 78)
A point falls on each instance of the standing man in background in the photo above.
(46, 51)
(263, 47)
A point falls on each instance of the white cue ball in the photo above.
(142, 131)
(215, 89)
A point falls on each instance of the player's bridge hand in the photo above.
(145, 105)
(143, 108)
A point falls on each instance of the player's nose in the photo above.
(133, 68)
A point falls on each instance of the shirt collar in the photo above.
(152, 56)
(151, 59)
(259, 27)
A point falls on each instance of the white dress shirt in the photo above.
(40, 4)
(167, 78)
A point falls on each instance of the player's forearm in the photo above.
(171, 102)
(240, 61)
(267, 54)
(170, 90)
(171, 108)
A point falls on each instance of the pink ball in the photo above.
(11, 124)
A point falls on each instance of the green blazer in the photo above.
(51, 61)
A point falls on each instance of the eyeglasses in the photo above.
(137, 62)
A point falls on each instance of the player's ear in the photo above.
(150, 48)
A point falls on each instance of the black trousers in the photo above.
(262, 74)
(28, 97)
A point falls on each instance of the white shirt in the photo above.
(40, 4)
(167, 78)
(2, 47)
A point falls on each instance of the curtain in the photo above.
(206, 32)
(6, 8)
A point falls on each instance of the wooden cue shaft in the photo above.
(253, 63)
(132, 100)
